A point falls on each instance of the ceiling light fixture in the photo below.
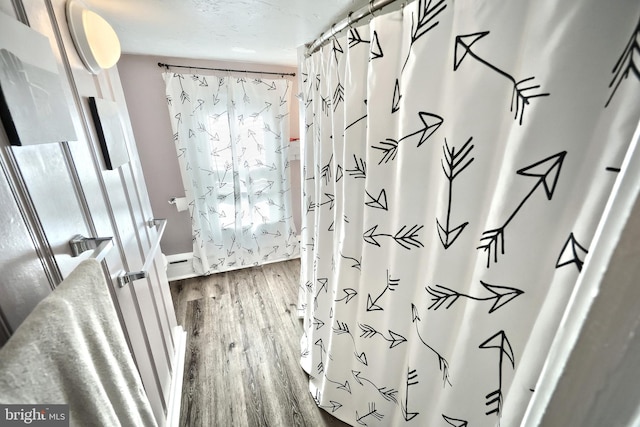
(243, 50)
(95, 40)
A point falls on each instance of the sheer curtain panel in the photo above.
(232, 141)
(457, 157)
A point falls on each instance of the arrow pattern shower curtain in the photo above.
(457, 159)
(232, 141)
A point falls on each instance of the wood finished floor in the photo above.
(241, 365)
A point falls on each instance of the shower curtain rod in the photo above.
(163, 65)
(352, 18)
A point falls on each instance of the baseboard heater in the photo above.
(180, 266)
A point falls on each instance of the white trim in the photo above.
(175, 393)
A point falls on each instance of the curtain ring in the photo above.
(349, 20)
(371, 8)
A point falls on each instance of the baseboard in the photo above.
(175, 393)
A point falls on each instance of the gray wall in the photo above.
(144, 92)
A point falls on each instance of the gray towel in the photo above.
(71, 350)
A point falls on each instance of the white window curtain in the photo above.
(232, 141)
(457, 160)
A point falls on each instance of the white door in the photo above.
(63, 189)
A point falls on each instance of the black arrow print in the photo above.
(498, 340)
(443, 365)
(389, 147)
(323, 285)
(519, 99)
(330, 201)
(255, 238)
(203, 128)
(271, 86)
(245, 98)
(199, 106)
(395, 106)
(572, 253)
(323, 351)
(338, 96)
(394, 338)
(184, 96)
(427, 13)
(501, 295)
(372, 412)
(281, 149)
(388, 394)
(452, 166)
(269, 186)
(339, 173)
(341, 329)
(357, 120)
(272, 252)
(326, 105)
(359, 170)
(412, 379)
(337, 49)
(272, 167)
(264, 218)
(283, 97)
(454, 421)
(267, 107)
(334, 406)
(407, 238)
(376, 49)
(317, 323)
(356, 262)
(340, 386)
(379, 202)
(311, 206)
(349, 293)
(268, 129)
(547, 171)
(326, 171)
(391, 286)
(202, 81)
(626, 63)
(355, 38)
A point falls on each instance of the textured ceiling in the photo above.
(262, 31)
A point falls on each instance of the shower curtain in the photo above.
(457, 159)
(232, 141)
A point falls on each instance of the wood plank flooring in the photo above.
(241, 365)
